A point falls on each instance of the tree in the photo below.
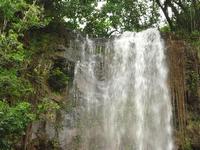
(130, 15)
(114, 16)
(120, 16)
(185, 14)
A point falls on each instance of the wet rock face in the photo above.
(184, 71)
(52, 71)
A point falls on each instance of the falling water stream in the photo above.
(121, 88)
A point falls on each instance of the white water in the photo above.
(123, 97)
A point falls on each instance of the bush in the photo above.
(187, 145)
(46, 110)
(13, 87)
(58, 80)
(13, 122)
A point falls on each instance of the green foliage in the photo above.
(193, 81)
(187, 144)
(195, 33)
(13, 87)
(11, 50)
(165, 29)
(16, 17)
(54, 144)
(130, 15)
(13, 121)
(184, 14)
(119, 16)
(10, 7)
(43, 42)
(20, 15)
(58, 80)
(32, 17)
(47, 110)
(115, 15)
(188, 19)
(196, 44)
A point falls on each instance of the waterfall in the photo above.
(122, 94)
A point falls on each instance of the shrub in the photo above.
(13, 121)
(58, 80)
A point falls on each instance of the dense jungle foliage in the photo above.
(17, 17)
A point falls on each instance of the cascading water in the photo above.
(122, 93)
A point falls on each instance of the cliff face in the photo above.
(57, 54)
(184, 84)
(51, 70)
